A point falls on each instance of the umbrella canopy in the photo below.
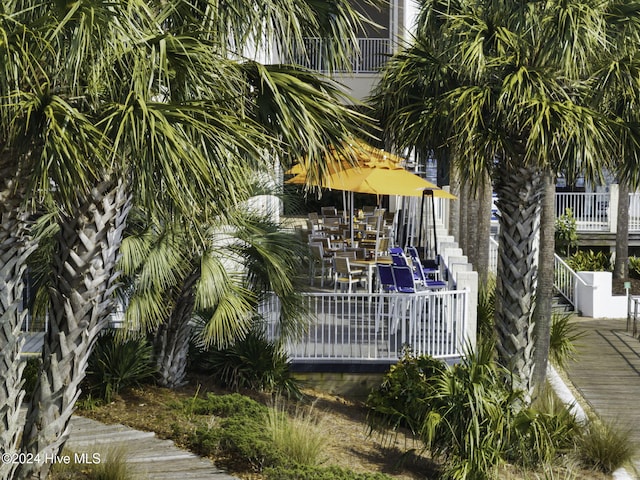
(376, 172)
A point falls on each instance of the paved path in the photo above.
(150, 458)
(607, 372)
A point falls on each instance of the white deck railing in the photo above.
(591, 210)
(376, 327)
(371, 55)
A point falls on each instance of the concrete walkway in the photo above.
(607, 372)
(149, 457)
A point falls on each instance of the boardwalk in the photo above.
(148, 457)
(607, 372)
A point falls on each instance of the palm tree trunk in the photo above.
(171, 340)
(484, 230)
(471, 228)
(454, 207)
(518, 191)
(15, 247)
(621, 265)
(546, 271)
(82, 299)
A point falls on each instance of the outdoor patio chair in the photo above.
(405, 283)
(385, 278)
(320, 260)
(386, 284)
(345, 275)
(430, 272)
(328, 211)
(403, 279)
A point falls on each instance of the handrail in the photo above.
(565, 278)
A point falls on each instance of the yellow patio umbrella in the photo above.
(376, 172)
(376, 178)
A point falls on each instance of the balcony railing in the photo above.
(376, 327)
(370, 56)
(591, 210)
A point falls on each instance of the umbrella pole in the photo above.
(417, 245)
(352, 218)
(433, 216)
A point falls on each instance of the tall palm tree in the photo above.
(108, 103)
(503, 83)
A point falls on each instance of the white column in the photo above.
(614, 198)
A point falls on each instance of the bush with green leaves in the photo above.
(238, 429)
(254, 363)
(30, 375)
(634, 267)
(467, 416)
(566, 233)
(399, 400)
(320, 473)
(589, 261)
(116, 363)
(563, 338)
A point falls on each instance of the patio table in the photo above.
(370, 265)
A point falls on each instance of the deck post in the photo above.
(614, 199)
(469, 281)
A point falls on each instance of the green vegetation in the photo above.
(466, 416)
(589, 261)
(320, 473)
(563, 338)
(116, 363)
(301, 437)
(265, 439)
(634, 267)
(566, 233)
(606, 447)
(254, 363)
(30, 375)
(112, 466)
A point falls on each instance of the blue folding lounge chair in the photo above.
(404, 279)
(430, 271)
(385, 278)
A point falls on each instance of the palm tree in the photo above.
(503, 83)
(109, 103)
(172, 279)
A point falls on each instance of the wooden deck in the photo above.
(607, 372)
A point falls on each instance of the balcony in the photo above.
(370, 57)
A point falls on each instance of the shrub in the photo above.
(247, 437)
(566, 233)
(589, 261)
(563, 337)
(320, 473)
(605, 446)
(300, 438)
(634, 267)
(467, 416)
(254, 363)
(225, 406)
(117, 363)
(240, 431)
(30, 375)
(399, 401)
